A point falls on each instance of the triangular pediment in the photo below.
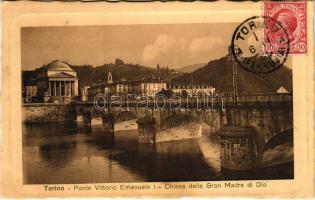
(61, 75)
(282, 90)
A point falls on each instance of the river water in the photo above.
(59, 153)
(66, 153)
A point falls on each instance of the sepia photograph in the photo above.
(157, 100)
(156, 103)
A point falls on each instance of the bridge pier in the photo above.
(147, 130)
(108, 122)
(237, 149)
(104, 122)
(215, 120)
(83, 119)
(95, 121)
(80, 120)
(266, 120)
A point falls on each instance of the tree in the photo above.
(166, 93)
(184, 93)
(119, 61)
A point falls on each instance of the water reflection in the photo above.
(168, 161)
(58, 155)
(65, 153)
(70, 154)
(210, 148)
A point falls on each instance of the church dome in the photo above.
(58, 65)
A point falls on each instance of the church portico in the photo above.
(61, 87)
(57, 82)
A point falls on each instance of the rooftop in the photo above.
(58, 65)
(61, 75)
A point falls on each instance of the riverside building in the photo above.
(193, 89)
(56, 82)
(145, 87)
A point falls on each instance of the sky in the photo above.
(173, 45)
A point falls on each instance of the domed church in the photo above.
(57, 82)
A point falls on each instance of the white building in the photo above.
(57, 82)
(145, 87)
(282, 90)
(150, 87)
(30, 92)
(194, 90)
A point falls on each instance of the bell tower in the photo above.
(109, 78)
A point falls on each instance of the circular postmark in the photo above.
(260, 45)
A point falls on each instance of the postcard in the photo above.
(199, 99)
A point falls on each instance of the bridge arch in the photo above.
(175, 120)
(124, 116)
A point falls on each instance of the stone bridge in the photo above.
(153, 120)
(158, 125)
(268, 114)
(268, 118)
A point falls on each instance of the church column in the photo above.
(64, 87)
(67, 88)
(72, 89)
(70, 85)
(49, 88)
(75, 88)
(55, 88)
(59, 88)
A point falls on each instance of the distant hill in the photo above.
(190, 68)
(218, 73)
(89, 75)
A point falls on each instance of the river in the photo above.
(65, 154)
(59, 153)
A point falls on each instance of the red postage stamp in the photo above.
(292, 17)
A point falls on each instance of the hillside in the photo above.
(89, 75)
(218, 73)
(190, 68)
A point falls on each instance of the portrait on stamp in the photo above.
(292, 17)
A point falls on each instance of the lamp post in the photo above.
(238, 157)
(154, 100)
(234, 74)
(107, 97)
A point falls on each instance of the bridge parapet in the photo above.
(198, 102)
(269, 114)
